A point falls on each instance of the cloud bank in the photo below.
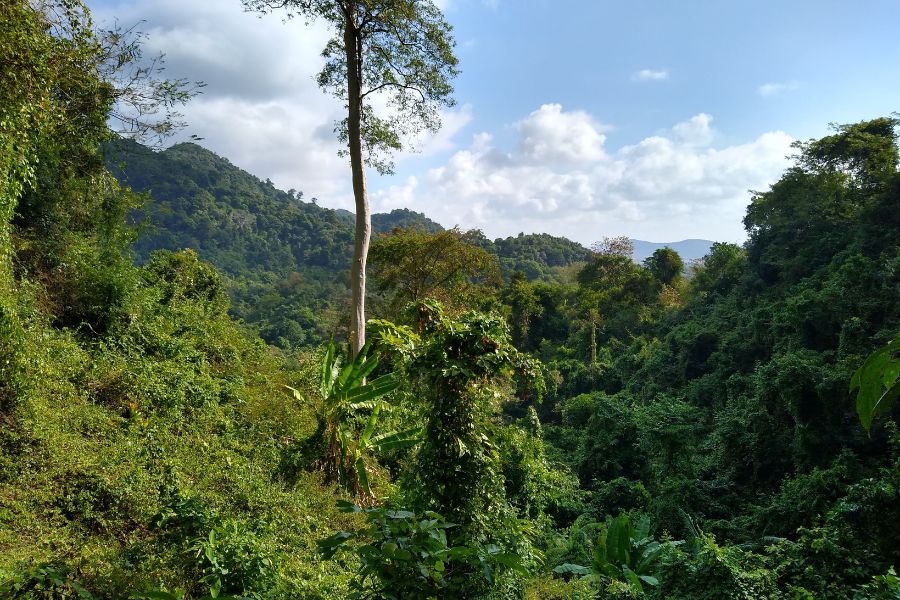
(560, 177)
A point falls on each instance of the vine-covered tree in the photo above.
(401, 50)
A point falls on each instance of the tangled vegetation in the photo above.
(603, 430)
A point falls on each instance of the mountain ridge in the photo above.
(286, 260)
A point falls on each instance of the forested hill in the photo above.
(286, 258)
(234, 220)
(242, 224)
(246, 226)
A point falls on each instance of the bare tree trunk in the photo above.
(360, 194)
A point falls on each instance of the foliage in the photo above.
(704, 570)
(44, 581)
(460, 367)
(282, 257)
(411, 265)
(878, 383)
(346, 394)
(147, 447)
(665, 265)
(623, 552)
(405, 555)
(460, 362)
(882, 587)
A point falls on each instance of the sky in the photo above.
(651, 119)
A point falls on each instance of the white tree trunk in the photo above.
(363, 219)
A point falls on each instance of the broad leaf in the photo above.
(363, 475)
(396, 440)
(569, 568)
(876, 382)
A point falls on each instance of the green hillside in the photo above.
(286, 259)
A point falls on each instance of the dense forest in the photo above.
(528, 420)
(285, 258)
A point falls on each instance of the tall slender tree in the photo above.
(401, 50)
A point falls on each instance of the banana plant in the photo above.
(624, 552)
(346, 400)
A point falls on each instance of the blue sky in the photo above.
(842, 58)
(581, 118)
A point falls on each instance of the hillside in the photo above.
(286, 259)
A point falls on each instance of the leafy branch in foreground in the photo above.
(877, 382)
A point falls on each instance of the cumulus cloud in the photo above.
(452, 122)
(773, 88)
(549, 135)
(560, 177)
(650, 75)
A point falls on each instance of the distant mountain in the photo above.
(286, 260)
(404, 219)
(688, 249)
(399, 217)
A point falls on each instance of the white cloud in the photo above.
(560, 178)
(696, 131)
(770, 89)
(551, 135)
(396, 196)
(650, 75)
(452, 122)
(261, 107)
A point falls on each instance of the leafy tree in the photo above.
(804, 219)
(665, 265)
(525, 306)
(413, 265)
(610, 268)
(402, 49)
(719, 270)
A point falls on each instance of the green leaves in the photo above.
(876, 383)
(624, 552)
(407, 555)
(572, 569)
(397, 440)
(346, 396)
